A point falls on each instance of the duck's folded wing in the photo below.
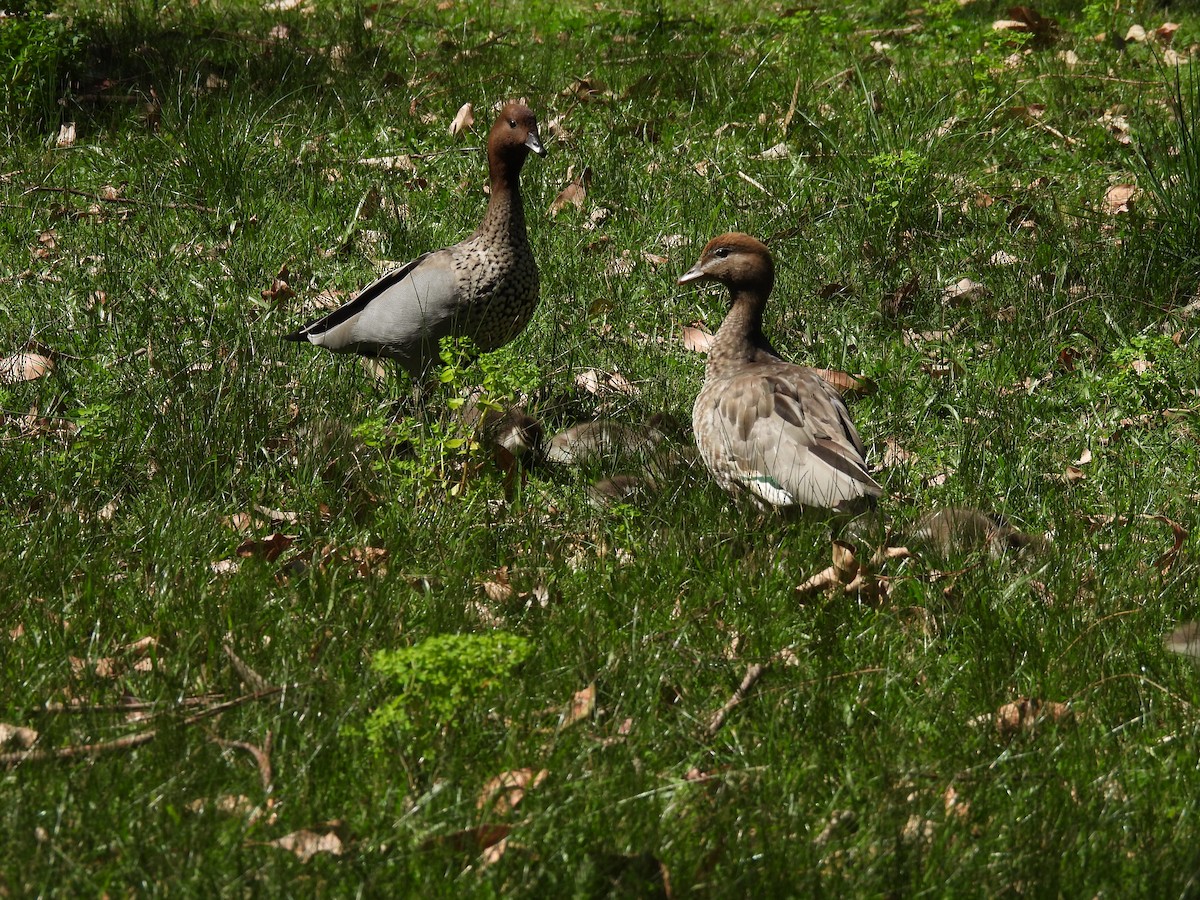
(791, 438)
(394, 314)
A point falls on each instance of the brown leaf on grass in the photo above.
(696, 339)
(900, 301)
(463, 120)
(1117, 124)
(1165, 33)
(846, 384)
(1120, 198)
(894, 454)
(779, 151)
(1178, 533)
(573, 194)
(502, 793)
(24, 367)
(136, 656)
(401, 162)
(497, 586)
(586, 89)
(306, 844)
(620, 266)
(279, 289)
(1184, 640)
(66, 135)
(1024, 714)
(1135, 35)
(16, 737)
(599, 383)
(583, 704)
(268, 548)
(1026, 20)
(965, 290)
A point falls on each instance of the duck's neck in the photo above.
(505, 211)
(740, 338)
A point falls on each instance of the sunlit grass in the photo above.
(233, 150)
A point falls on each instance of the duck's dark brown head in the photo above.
(513, 136)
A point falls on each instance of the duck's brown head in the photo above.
(737, 261)
(513, 136)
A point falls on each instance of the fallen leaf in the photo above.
(507, 789)
(597, 383)
(307, 844)
(66, 135)
(24, 367)
(1184, 640)
(1024, 714)
(779, 151)
(573, 194)
(267, 549)
(847, 384)
(1178, 532)
(402, 162)
(1136, 34)
(900, 301)
(463, 119)
(17, 737)
(583, 703)
(965, 290)
(1165, 33)
(698, 340)
(1120, 198)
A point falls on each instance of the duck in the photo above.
(766, 428)
(484, 288)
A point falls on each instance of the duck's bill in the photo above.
(534, 143)
(693, 274)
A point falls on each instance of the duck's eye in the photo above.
(721, 252)
(512, 123)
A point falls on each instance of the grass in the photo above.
(174, 406)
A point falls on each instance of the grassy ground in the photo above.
(210, 151)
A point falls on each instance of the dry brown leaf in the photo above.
(598, 383)
(965, 290)
(1120, 198)
(573, 194)
(507, 789)
(24, 367)
(66, 135)
(307, 844)
(696, 339)
(1136, 34)
(268, 549)
(402, 162)
(1024, 714)
(1165, 33)
(463, 120)
(583, 704)
(847, 384)
(894, 454)
(1184, 640)
(779, 151)
(585, 89)
(17, 737)
(1178, 533)
(279, 290)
